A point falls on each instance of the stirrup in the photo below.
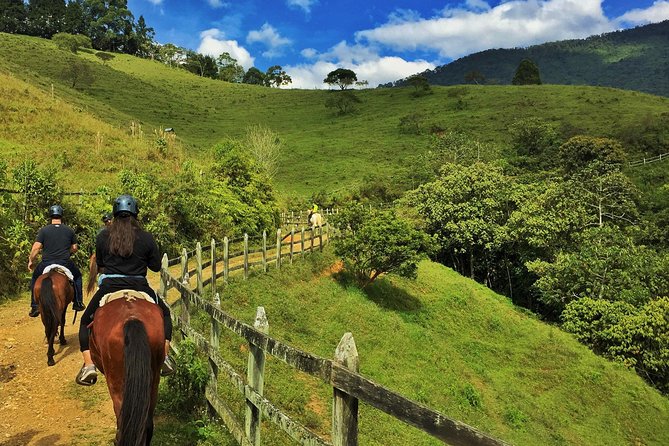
(87, 376)
(168, 366)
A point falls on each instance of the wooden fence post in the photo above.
(344, 406)
(255, 378)
(320, 238)
(327, 232)
(292, 238)
(278, 248)
(246, 256)
(185, 307)
(214, 341)
(226, 259)
(164, 264)
(213, 268)
(302, 242)
(198, 259)
(264, 251)
(311, 239)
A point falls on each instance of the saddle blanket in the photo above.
(129, 295)
(61, 269)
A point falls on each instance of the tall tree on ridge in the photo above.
(13, 18)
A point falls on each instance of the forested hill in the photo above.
(633, 59)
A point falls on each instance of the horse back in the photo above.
(63, 290)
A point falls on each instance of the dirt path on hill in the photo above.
(42, 405)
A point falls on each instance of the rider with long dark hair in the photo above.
(125, 251)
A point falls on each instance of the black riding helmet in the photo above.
(107, 216)
(55, 211)
(125, 203)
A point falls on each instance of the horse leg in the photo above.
(51, 351)
(62, 339)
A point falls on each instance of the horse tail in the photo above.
(50, 314)
(93, 274)
(137, 387)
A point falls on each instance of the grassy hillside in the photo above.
(322, 150)
(451, 344)
(633, 59)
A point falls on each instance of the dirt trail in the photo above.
(42, 405)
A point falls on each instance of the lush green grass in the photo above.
(322, 150)
(451, 344)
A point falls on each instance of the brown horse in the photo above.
(53, 293)
(128, 346)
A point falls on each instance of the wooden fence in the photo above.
(341, 373)
(653, 159)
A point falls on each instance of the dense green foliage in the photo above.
(341, 77)
(527, 73)
(632, 59)
(373, 243)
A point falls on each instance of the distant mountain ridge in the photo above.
(633, 59)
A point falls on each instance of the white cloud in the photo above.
(156, 2)
(304, 4)
(364, 61)
(216, 3)
(309, 53)
(457, 32)
(270, 37)
(213, 43)
(657, 12)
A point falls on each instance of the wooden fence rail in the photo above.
(341, 373)
(645, 161)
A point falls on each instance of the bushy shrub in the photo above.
(184, 389)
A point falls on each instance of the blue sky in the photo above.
(381, 40)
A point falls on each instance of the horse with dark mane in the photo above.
(53, 293)
(127, 346)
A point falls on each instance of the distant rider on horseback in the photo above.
(312, 211)
(125, 251)
(57, 242)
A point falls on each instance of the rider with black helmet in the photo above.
(57, 242)
(124, 252)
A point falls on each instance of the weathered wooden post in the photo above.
(327, 232)
(198, 260)
(344, 406)
(320, 238)
(214, 341)
(278, 248)
(164, 265)
(311, 239)
(302, 242)
(246, 256)
(213, 268)
(254, 376)
(185, 281)
(292, 238)
(226, 259)
(264, 251)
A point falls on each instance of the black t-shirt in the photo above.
(144, 255)
(56, 242)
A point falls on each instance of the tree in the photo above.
(45, 17)
(143, 36)
(110, 25)
(228, 68)
(13, 17)
(79, 74)
(200, 64)
(581, 152)
(172, 55)
(71, 42)
(104, 57)
(74, 21)
(341, 77)
(527, 73)
(265, 146)
(377, 243)
(276, 76)
(534, 137)
(343, 101)
(254, 76)
(474, 76)
(420, 84)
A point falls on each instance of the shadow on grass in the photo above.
(383, 293)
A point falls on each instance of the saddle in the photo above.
(60, 269)
(128, 295)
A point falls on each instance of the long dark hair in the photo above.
(122, 234)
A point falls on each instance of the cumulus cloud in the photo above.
(270, 37)
(657, 12)
(156, 2)
(217, 3)
(303, 4)
(461, 31)
(364, 61)
(213, 43)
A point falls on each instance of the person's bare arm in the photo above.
(37, 247)
(74, 248)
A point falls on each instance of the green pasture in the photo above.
(323, 151)
(448, 343)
